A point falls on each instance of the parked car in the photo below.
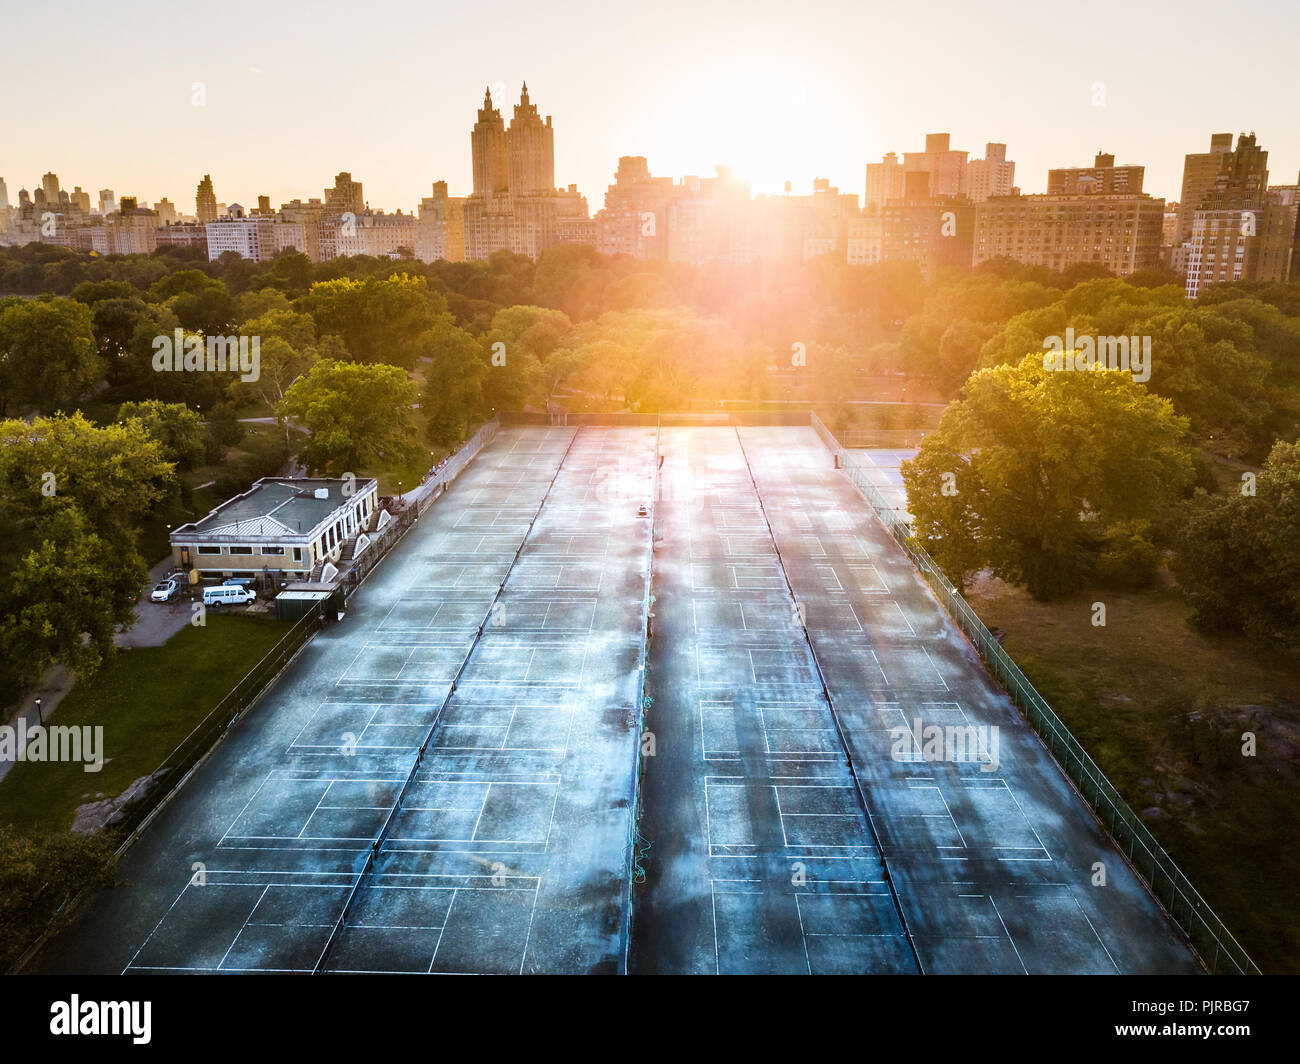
(165, 592)
(237, 581)
(228, 595)
(643, 511)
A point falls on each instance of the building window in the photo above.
(209, 550)
(241, 550)
(278, 551)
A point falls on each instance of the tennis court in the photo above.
(505, 846)
(790, 828)
(445, 782)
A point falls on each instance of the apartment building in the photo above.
(1103, 177)
(440, 230)
(254, 239)
(994, 175)
(1120, 232)
(945, 165)
(932, 231)
(377, 234)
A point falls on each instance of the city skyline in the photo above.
(939, 206)
(773, 101)
(1027, 184)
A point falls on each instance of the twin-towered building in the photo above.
(515, 205)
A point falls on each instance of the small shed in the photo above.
(292, 605)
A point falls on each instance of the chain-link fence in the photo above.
(417, 502)
(450, 468)
(1221, 953)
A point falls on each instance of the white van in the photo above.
(228, 595)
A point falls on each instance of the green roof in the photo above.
(274, 506)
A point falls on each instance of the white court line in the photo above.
(956, 827)
(528, 934)
(1028, 822)
(935, 668)
(1008, 934)
(312, 813)
(903, 613)
(242, 926)
(803, 935)
(445, 921)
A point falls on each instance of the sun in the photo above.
(758, 115)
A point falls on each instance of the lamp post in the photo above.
(39, 715)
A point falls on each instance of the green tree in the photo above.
(174, 425)
(38, 874)
(71, 497)
(378, 319)
(111, 473)
(356, 415)
(65, 597)
(1238, 556)
(1040, 465)
(288, 346)
(453, 391)
(947, 525)
(49, 359)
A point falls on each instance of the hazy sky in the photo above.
(297, 91)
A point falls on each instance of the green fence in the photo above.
(1221, 952)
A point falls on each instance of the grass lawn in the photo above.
(147, 701)
(1162, 709)
(394, 477)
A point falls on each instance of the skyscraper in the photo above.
(205, 201)
(107, 201)
(166, 211)
(1222, 179)
(488, 146)
(515, 205)
(635, 218)
(440, 232)
(4, 195)
(530, 149)
(133, 230)
(50, 186)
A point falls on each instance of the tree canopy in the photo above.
(1033, 473)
